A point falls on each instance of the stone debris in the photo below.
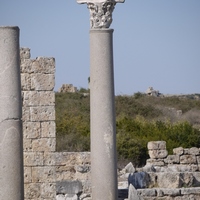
(132, 194)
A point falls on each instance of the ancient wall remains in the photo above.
(37, 83)
(47, 172)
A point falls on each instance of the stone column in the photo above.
(11, 146)
(102, 109)
(102, 115)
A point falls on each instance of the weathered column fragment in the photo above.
(102, 109)
(11, 146)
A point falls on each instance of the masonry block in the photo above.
(194, 151)
(43, 174)
(48, 129)
(178, 151)
(49, 158)
(27, 175)
(48, 190)
(172, 159)
(158, 154)
(25, 53)
(31, 129)
(38, 98)
(42, 82)
(156, 145)
(27, 145)
(25, 81)
(33, 158)
(44, 144)
(42, 113)
(26, 66)
(44, 65)
(188, 159)
(32, 190)
(25, 114)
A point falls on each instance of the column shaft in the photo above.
(11, 144)
(103, 133)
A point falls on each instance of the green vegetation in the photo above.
(139, 119)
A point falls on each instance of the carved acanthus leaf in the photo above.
(100, 12)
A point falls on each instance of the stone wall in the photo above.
(37, 83)
(51, 175)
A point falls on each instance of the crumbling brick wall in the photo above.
(38, 98)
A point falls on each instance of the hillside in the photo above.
(139, 119)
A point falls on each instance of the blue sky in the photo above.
(156, 42)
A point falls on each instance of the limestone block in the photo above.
(73, 158)
(129, 168)
(31, 129)
(48, 190)
(26, 66)
(147, 192)
(178, 151)
(82, 176)
(25, 113)
(27, 175)
(50, 158)
(69, 187)
(43, 174)
(171, 192)
(188, 159)
(171, 180)
(38, 98)
(48, 129)
(155, 145)
(132, 193)
(160, 192)
(172, 159)
(187, 179)
(42, 82)
(60, 197)
(152, 179)
(32, 190)
(198, 159)
(196, 182)
(44, 65)
(25, 81)
(25, 53)
(44, 144)
(186, 191)
(33, 158)
(155, 162)
(42, 113)
(186, 151)
(27, 144)
(65, 173)
(187, 168)
(194, 151)
(158, 154)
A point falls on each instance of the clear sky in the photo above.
(156, 42)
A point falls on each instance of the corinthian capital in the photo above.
(100, 12)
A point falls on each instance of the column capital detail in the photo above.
(100, 12)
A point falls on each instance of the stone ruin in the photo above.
(50, 175)
(151, 92)
(68, 88)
